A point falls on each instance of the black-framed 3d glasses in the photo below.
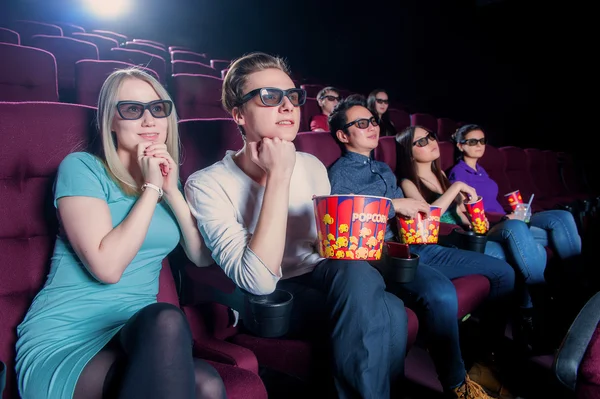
(473, 142)
(382, 101)
(424, 141)
(331, 98)
(362, 123)
(273, 97)
(132, 110)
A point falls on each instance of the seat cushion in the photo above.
(588, 386)
(471, 291)
(240, 383)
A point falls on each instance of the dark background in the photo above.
(522, 69)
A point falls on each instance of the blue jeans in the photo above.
(433, 297)
(558, 229)
(367, 324)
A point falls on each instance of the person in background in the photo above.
(95, 330)
(378, 103)
(255, 211)
(327, 98)
(431, 294)
(556, 228)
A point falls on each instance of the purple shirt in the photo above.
(481, 182)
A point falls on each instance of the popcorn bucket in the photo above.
(420, 230)
(514, 199)
(351, 227)
(477, 215)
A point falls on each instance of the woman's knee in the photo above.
(165, 320)
(209, 384)
(440, 297)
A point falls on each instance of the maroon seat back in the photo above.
(90, 76)
(536, 162)
(219, 65)
(141, 58)
(517, 171)
(425, 120)
(183, 55)
(120, 38)
(34, 139)
(178, 48)
(198, 96)
(312, 90)
(494, 163)
(148, 48)
(205, 141)
(27, 74)
(28, 29)
(320, 144)
(67, 52)
(446, 128)
(386, 151)
(399, 118)
(446, 155)
(224, 73)
(152, 42)
(68, 29)
(554, 177)
(103, 43)
(307, 111)
(572, 175)
(9, 36)
(194, 68)
(588, 384)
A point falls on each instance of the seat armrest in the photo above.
(574, 345)
(225, 352)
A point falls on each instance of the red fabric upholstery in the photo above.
(90, 76)
(148, 48)
(425, 120)
(152, 42)
(183, 55)
(27, 29)
(240, 383)
(446, 155)
(312, 90)
(198, 96)
(219, 65)
(119, 37)
(141, 58)
(494, 163)
(544, 175)
(386, 151)
(307, 111)
(399, 118)
(588, 384)
(471, 291)
(68, 29)
(446, 128)
(177, 48)
(103, 43)
(572, 175)
(205, 141)
(520, 177)
(67, 52)
(34, 139)
(27, 74)
(9, 36)
(192, 67)
(320, 144)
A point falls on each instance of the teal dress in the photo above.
(74, 315)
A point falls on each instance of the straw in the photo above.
(530, 200)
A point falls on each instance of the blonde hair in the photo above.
(107, 102)
(240, 69)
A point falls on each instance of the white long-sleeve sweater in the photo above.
(226, 204)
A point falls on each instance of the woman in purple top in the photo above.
(556, 228)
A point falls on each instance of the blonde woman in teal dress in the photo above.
(95, 330)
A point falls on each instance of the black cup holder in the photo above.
(402, 270)
(470, 240)
(268, 316)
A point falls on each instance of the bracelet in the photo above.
(153, 187)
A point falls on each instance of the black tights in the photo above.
(151, 357)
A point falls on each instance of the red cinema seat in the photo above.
(192, 67)
(9, 36)
(197, 96)
(183, 55)
(103, 43)
(113, 35)
(28, 29)
(399, 118)
(219, 65)
(141, 58)
(446, 128)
